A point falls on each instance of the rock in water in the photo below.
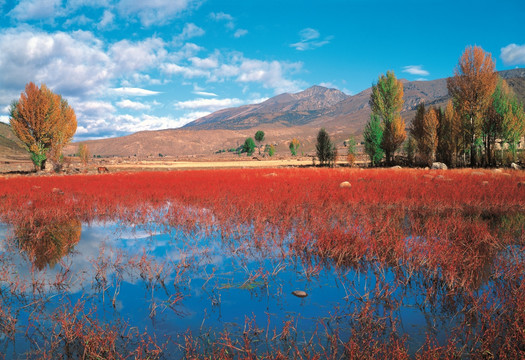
(439, 166)
(300, 293)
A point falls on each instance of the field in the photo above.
(395, 263)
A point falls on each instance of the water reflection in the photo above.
(171, 281)
(47, 241)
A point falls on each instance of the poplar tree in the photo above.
(386, 102)
(373, 136)
(471, 89)
(44, 122)
(429, 141)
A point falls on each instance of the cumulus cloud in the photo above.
(133, 105)
(155, 12)
(240, 32)
(107, 20)
(415, 70)
(310, 39)
(189, 31)
(74, 64)
(218, 68)
(4, 119)
(207, 63)
(208, 104)
(129, 56)
(513, 54)
(36, 10)
(129, 91)
(187, 72)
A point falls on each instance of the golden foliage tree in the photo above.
(386, 102)
(429, 141)
(83, 153)
(44, 122)
(471, 89)
(449, 134)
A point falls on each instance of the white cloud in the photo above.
(129, 91)
(189, 31)
(415, 70)
(92, 108)
(187, 72)
(513, 54)
(208, 104)
(36, 10)
(227, 18)
(217, 68)
(74, 64)
(133, 105)
(4, 119)
(204, 93)
(269, 74)
(107, 20)
(157, 11)
(310, 40)
(207, 63)
(221, 16)
(130, 56)
(240, 32)
(77, 21)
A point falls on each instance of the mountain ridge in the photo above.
(281, 117)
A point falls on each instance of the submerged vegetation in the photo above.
(445, 247)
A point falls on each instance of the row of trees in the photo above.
(482, 110)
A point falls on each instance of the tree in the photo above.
(410, 149)
(449, 135)
(429, 141)
(270, 149)
(471, 89)
(325, 149)
(386, 102)
(294, 145)
(417, 128)
(373, 136)
(44, 122)
(351, 151)
(259, 137)
(504, 119)
(249, 146)
(83, 153)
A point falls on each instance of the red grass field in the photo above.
(459, 230)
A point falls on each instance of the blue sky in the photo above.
(127, 65)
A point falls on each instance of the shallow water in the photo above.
(167, 283)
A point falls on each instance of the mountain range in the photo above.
(282, 118)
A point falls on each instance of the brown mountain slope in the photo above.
(282, 118)
(10, 146)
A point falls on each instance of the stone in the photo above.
(57, 191)
(439, 166)
(345, 184)
(396, 167)
(515, 166)
(300, 293)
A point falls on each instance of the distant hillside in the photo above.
(10, 146)
(282, 118)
